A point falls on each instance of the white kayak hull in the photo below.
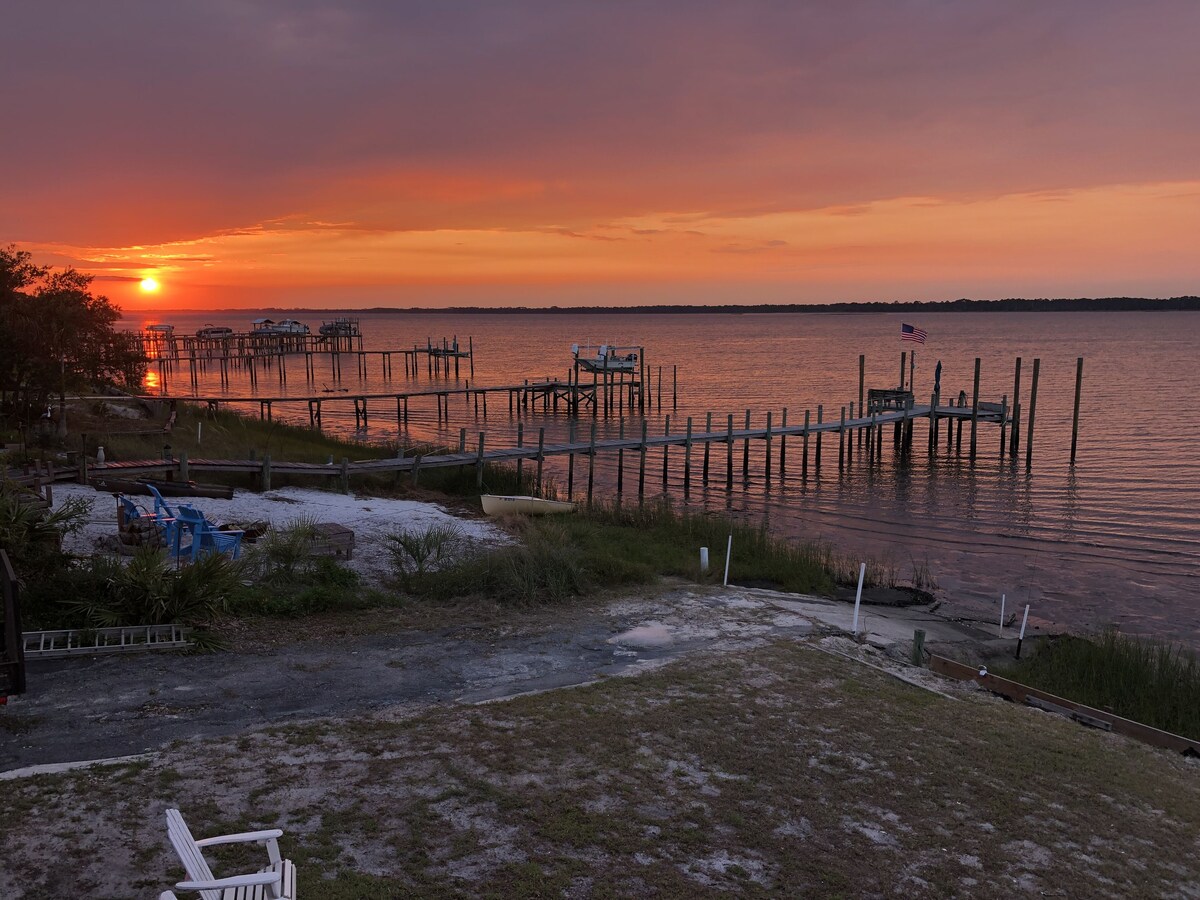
(498, 505)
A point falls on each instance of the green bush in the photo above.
(152, 590)
(321, 585)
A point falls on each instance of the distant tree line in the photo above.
(1013, 304)
(55, 336)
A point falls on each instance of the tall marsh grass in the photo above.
(611, 547)
(1149, 681)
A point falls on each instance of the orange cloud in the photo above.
(1065, 242)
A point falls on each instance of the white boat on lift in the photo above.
(214, 331)
(283, 326)
(606, 358)
(343, 326)
(500, 505)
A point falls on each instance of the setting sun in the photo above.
(150, 285)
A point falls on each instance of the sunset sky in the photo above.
(501, 153)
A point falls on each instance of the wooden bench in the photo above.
(276, 881)
(880, 399)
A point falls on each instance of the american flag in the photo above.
(908, 333)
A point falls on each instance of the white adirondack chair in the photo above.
(276, 881)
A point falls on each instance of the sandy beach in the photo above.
(371, 518)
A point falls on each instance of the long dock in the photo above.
(529, 395)
(439, 360)
(810, 434)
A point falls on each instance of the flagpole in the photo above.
(912, 371)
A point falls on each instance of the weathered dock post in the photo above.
(746, 449)
(1016, 419)
(345, 475)
(933, 422)
(462, 441)
(571, 459)
(1037, 367)
(541, 457)
(1003, 420)
(183, 466)
(642, 463)
(850, 440)
(842, 442)
(975, 409)
(804, 451)
(520, 460)
(729, 455)
(707, 447)
(479, 463)
(687, 459)
(621, 459)
(666, 447)
(591, 462)
(1075, 415)
(862, 381)
(783, 444)
(820, 417)
(767, 449)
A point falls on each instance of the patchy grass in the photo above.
(558, 557)
(1149, 681)
(778, 771)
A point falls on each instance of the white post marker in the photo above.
(199, 427)
(862, 571)
(728, 553)
(1020, 639)
(1001, 634)
(703, 559)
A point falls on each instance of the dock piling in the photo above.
(1075, 415)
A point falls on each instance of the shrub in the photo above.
(416, 552)
(151, 590)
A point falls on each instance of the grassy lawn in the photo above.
(781, 771)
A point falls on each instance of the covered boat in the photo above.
(214, 331)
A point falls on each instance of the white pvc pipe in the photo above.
(1001, 633)
(728, 554)
(703, 559)
(199, 426)
(862, 572)
(1024, 619)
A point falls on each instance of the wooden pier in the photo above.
(267, 359)
(690, 440)
(547, 396)
(857, 430)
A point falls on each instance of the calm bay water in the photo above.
(1116, 539)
